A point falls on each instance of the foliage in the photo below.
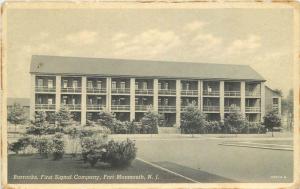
(63, 118)
(192, 120)
(16, 115)
(106, 119)
(213, 127)
(150, 122)
(120, 154)
(93, 148)
(57, 146)
(20, 144)
(235, 121)
(40, 125)
(288, 109)
(271, 120)
(43, 144)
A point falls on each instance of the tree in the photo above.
(39, 125)
(16, 115)
(150, 121)
(192, 120)
(235, 121)
(63, 118)
(107, 119)
(271, 120)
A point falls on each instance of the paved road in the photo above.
(241, 164)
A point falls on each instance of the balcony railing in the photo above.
(211, 108)
(232, 109)
(72, 106)
(121, 91)
(232, 93)
(71, 90)
(275, 107)
(95, 107)
(252, 109)
(189, 92)
(95, 90)
(167, 108)
(211, 93)
(142, 107)
(45, 106)
(252, 93)
(44, 89)
(167, 91)
(144, 91)
(120, 107)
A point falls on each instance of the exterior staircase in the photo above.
(168, 130)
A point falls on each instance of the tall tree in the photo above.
(150, 121)
(271, 120)
(63, 118)
(16, 115)
(39, 125)
(235, 121)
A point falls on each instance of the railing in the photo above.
(95, 107)
(72, 106)
(44, 89)
(232, 109)
(211, 108)
(142, 107)
(71, 90)
(252, 93)
(121, 90)
(275, 107)
(167, 91)
(95, 90)
(167, 108)
(232, 93)
(45, 106)
(252, 109)
(189, 92)
(120, 107)
(211, 93)
(144, 91)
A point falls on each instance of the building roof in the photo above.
(275, 93)
(42, 64)
(22, 101)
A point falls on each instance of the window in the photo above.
(159, 101)
(99, 100)
(159, 86)
(40, 100)
(99, 84)
(187, 86)
(166, 85)
(50, 101)
(122, 85)
(50, 83)
(75, 84)
(65, 84)
(275, 100)
(64, 100)
(90, 84)
(114, 85)
(40, 82)
(91, 101)
(136, 85)
(136, 101)
(145, 85)
(73, 101)
(166, 102)
(145, 100)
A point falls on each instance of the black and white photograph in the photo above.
(130, 93)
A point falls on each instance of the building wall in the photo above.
(168, 96)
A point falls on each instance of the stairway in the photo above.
(168, 130)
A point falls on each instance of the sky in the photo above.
(261, 38)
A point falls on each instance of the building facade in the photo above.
(129, 88)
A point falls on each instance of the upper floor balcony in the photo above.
(45, 84)
(253, 89)
(120, 86)
(231, 109)
(120, 107)
(71, 90)
(253, 94)
(189, 92)
(167, 91)
(72, 106)
(45, 106)
(167, 108)
(44, 89)
(96, 85)
(252, 109)
(232, 89)
(167, 87)
(211, 108)
(232, 93)
(120, 91)
(211, 88)
(71, 85)
(95, 90)
(189, 88)
(211, 93)
(96, 107)
(143, 108)
(144, 87)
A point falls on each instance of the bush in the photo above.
(58, 146)
(192, 120)
(120, 154)
(19, 145)
(93, 148)
(43, 144)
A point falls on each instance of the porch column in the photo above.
(155, 95)
(132, 99)
(58, 93)
(83, 100)
(108, 94)
(200, 98)
(32, 97)
(178, 102)
(243, 98)
(222, 100)
(262, 100)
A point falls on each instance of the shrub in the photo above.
(213, 127)
(120, 154)
(43, 144)
(150, 122)
(235, 122)
(271, 120)
(20, 144)
(58, 146)
(192, 120)
(92, 148)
